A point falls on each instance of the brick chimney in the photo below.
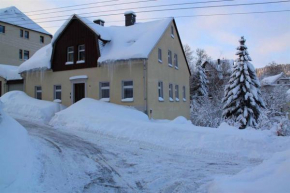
(99, 22)
(130, 18)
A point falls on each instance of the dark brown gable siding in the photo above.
(76, 33)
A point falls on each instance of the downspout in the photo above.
(145, 86)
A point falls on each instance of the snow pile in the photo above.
(14, 16)
(18, 104)
(9, 72)
(93, 116)
(271, 176)
(40, 60)
(15, 152)
(271, 79)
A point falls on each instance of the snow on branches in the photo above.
(200, 85)
(242, 101)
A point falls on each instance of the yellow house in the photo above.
(140, 64)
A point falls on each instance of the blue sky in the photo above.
(268, 35)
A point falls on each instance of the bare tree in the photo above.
(189, 56)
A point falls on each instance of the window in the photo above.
(20, 54)
(176, 93)
(81, 53)
(170, 92)
(2, 29)
(184, 93)
(26, 55)
(38, 92)
(172, 31)
(127, 94)
(57, 92)
(160, 91)
(41, 39)
(104, 90)
(26, 34)
(175, 61)
(70, 55)
(169, 58)
(21, 33)
(278, 82)
(159, 55)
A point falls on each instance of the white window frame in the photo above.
(57, 90)
(169, 58)
(176, 93)
(160, 91)
(175, 61)
(159, 55)
(171, 92)
(172, 31)
(68, 53)
(104, 88)
(184, 93)
(79, 53)
(127, 87)
(38, 91)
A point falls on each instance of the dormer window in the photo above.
(172, 31)
(81, 54)
(70, 55)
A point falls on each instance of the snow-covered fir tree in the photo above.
(243, 101)
(200, 84)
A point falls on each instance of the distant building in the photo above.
(142, 65)
(276, 80)
(20, 38)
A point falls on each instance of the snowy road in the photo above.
(74, 161)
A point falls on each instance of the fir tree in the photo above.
(201, 88)
(242, 101)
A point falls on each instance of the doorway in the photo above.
(79, 91)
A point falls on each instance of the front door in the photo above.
(79, 91)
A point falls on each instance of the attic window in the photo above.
(169, 58)
(172, 32)
(159, 55)
(81, 53)
(70, 55)
(2, 29)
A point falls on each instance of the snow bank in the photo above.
(122, 122)
(20, 105)
(39, 61)
(15, 152)
(271, 176)
(9, 72)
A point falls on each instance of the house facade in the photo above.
(141, 65)
(20, 38)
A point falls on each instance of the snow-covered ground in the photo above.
(94, 146)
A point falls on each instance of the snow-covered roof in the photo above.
(120, 42)
(9, 72)
(217, 66)
(271, 79)
(14, 16)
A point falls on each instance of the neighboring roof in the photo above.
(218, 67)
(271, 79)
(9, 72)
(120, 42)
(14, 16)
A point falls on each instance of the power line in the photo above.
(174, 9)
(164, 5)
(191, 16)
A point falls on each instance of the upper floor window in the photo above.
(26, 55)
(38, 92)
(171, 92)
(127, 88)
(70, 55)
(2, 29)
(81, 53)
(184, 93)
(169, 58)
(57, 92)
(20, 54)
(176, 92)
(278, 82)
(26, 34)
(175, 61)
(172, 31)
(104, 90)
(160, 91)
(21, 33)
(41, 39)
(159, 55)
